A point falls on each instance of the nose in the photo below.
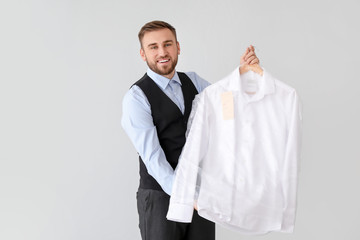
(162, 51)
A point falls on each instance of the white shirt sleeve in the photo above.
(184, 191)
(291, 162)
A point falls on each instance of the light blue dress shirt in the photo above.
(138, 123)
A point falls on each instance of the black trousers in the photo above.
(152, 208)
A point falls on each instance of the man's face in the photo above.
(160, 51)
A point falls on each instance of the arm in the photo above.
(138, 123)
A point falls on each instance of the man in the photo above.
(155, 114)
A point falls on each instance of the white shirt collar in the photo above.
(266, 83)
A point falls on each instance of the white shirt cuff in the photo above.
(180, 212)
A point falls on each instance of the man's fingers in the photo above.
(249, 54)
(245, 53)
(250, 59)
(255, 61)
(242, 58)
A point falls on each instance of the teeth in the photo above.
(163, 61)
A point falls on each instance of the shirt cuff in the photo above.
(180, 212)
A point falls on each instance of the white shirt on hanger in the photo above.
(240, 162)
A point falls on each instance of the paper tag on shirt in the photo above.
(227, 101)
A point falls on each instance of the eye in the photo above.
(153, 47)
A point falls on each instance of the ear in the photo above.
(142, 54)
(178, 47)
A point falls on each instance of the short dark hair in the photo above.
(154, 26)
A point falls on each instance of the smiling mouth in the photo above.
(164, 61)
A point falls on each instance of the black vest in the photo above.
(169, 121)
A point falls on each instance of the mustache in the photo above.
(162, 57)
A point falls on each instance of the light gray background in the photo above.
(67, 169)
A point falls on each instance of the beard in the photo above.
(166, 70)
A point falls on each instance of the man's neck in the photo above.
(169, 76)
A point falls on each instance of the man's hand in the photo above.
(249, 57)
(249, 61)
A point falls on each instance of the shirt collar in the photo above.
(162, 81)
(266, 83)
